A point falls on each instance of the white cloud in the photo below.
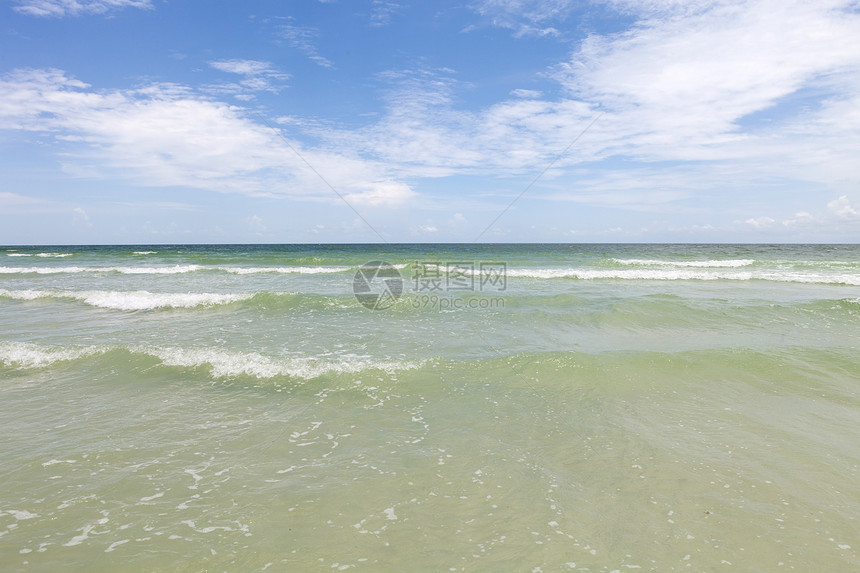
(166, 135)
(685, 83)
(60, 8)
(391, 193)
(839, 220)
(683, 88)
(760, 222)
(843, 209)
(673, 83)
(682, 91)
(80, 217)
(526, 94)
(801, 218)
(424, 135)
(243, 67)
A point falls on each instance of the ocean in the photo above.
(428, 407)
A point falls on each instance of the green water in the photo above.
(608, 407)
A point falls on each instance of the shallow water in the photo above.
(604, 407)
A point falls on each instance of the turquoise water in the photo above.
(507, 408)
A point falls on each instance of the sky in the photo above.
(362, 121)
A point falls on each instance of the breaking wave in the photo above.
(220, 363)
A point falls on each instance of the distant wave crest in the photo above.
(174, 269)
(729, 263)
(131, 300)
(134, 300)
(41, 255)
(686, 274)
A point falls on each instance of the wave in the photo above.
(174, 269)
(133, 300)
(283, 270)
(29, 355)
(729, 263)
(220, 363)
(42, 255)
(225, 364)
(685, 275)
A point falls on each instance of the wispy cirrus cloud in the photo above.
(382, 11)
(423, 134)
(526, 17)
(60, 8)
(304, 39)
(257, 76)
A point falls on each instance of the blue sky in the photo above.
(153, 121)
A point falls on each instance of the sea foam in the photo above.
(175, 269)
(685, 274)
(132, 300)
(30, 355)
(729, 263)
(228, 364)
(221, 363)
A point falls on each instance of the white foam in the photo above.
(283, 270)
(55, 461)
(729, 263)
(175, 269)
(78, 539)
(21, 514)
(221, 363)
(144, 300)
(225, 364)
(53, 255)
(685, 274)
(631, 274)
(172, 270)
(209, 529)
(131, 300)
(29, 355)
(116, 544)
(25, 294)
(145, 252)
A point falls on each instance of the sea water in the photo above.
(481, 408)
